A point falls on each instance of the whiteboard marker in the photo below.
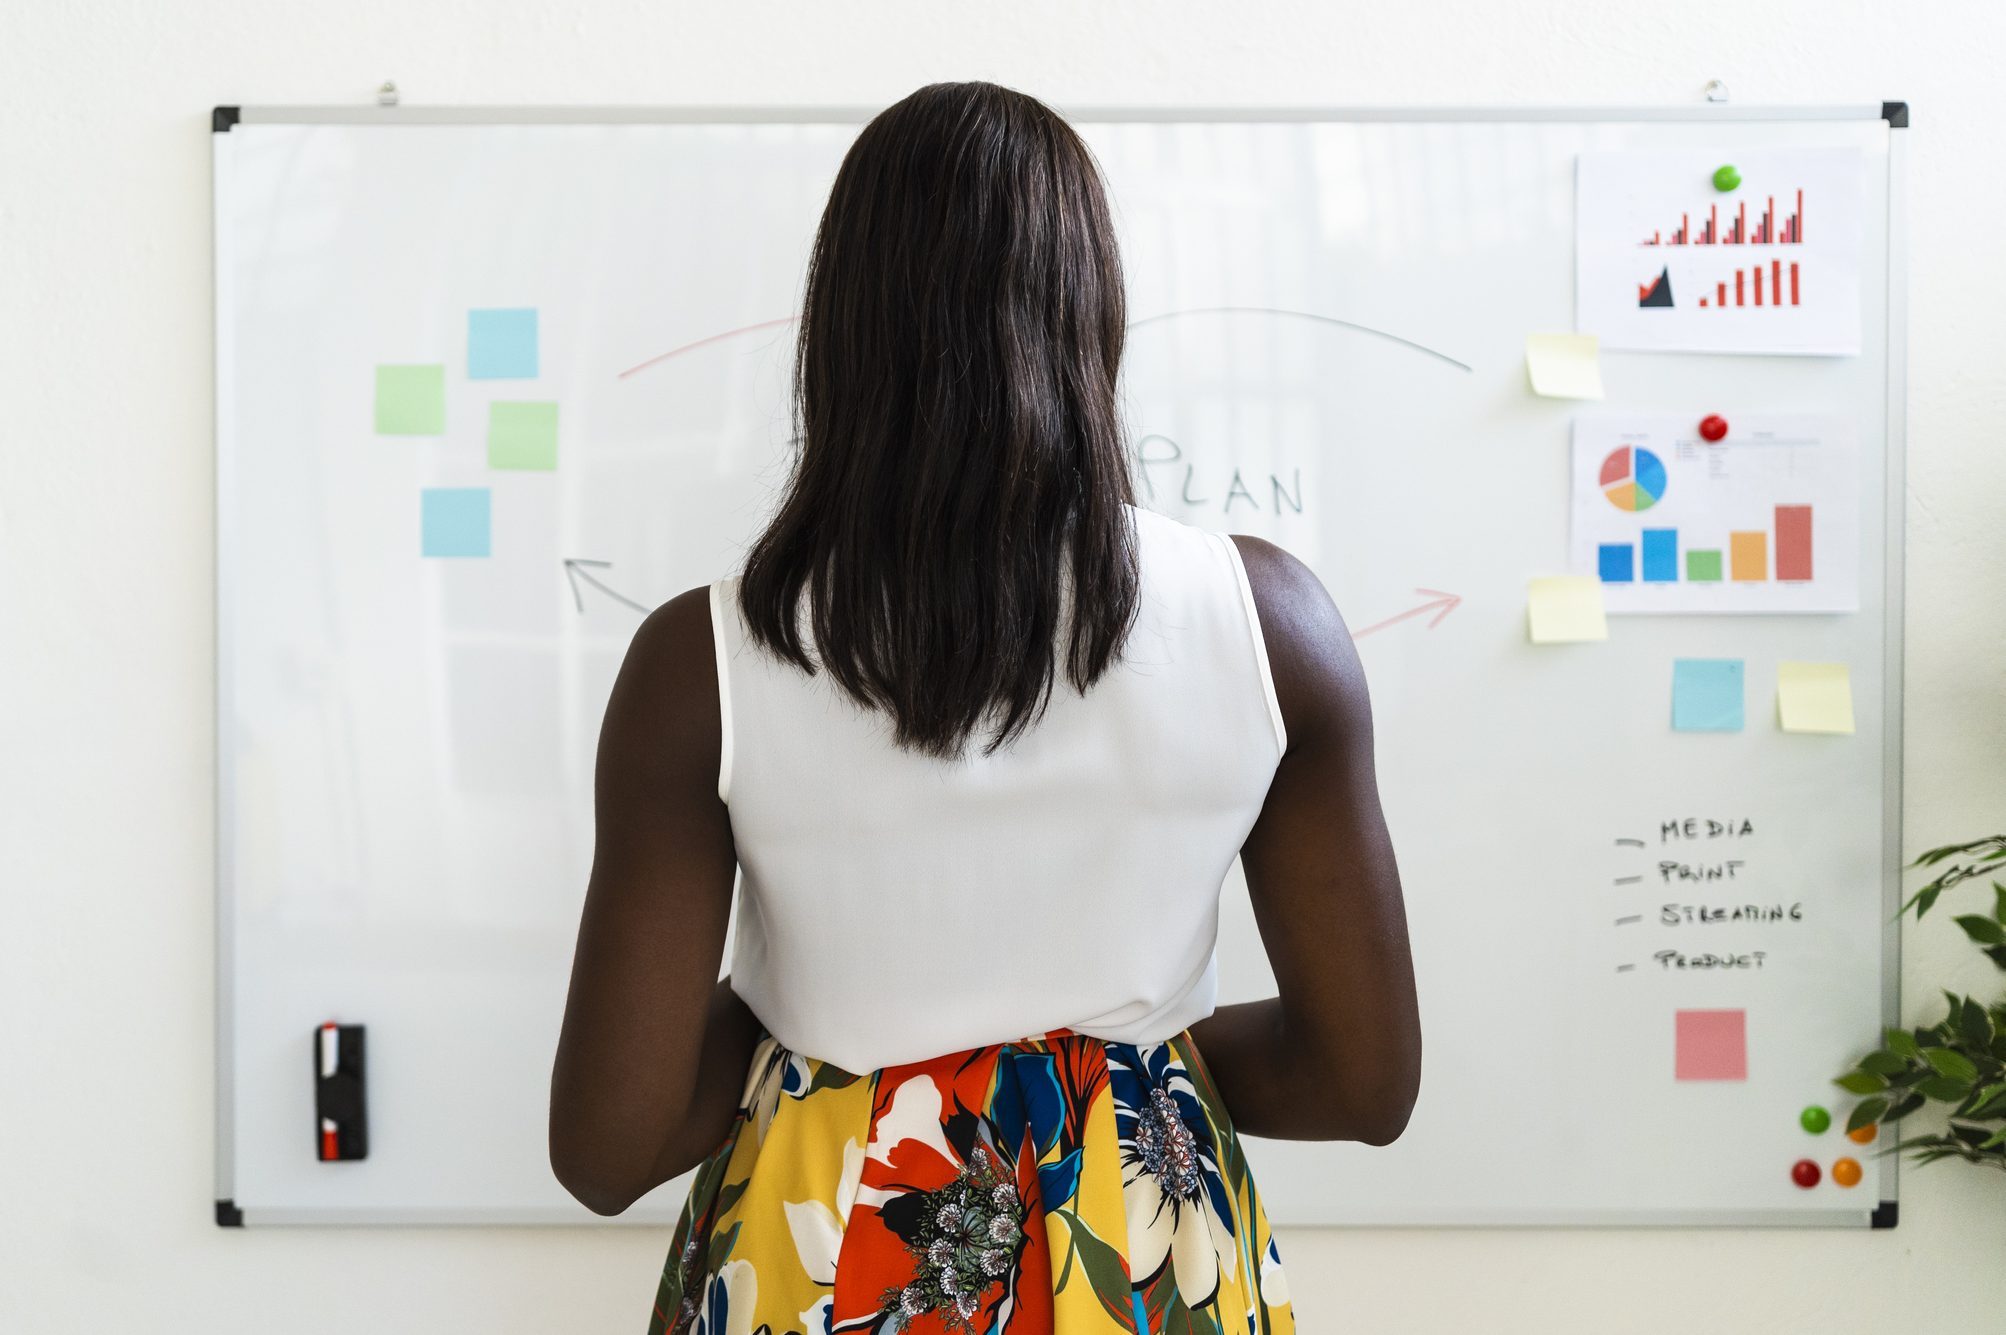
(330, 1049)
(329, 1149)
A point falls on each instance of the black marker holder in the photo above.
(339, 1097)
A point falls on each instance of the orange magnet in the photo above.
(1846, 1172)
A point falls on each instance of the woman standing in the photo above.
(984, 739)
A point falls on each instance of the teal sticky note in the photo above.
(522, 435)
(410, 400)
(1706, 695)
(454, 521)
(501, 344)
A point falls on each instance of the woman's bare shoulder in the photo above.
(1319, 681)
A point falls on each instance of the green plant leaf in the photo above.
(1865, 1113)
(1883, 1063)
(1902, 1043)
(1999, 901)
(1997, 954)
(1952, 1063)
(1983, 929)
(1974, 1024)
(1986, 1101)
(1944, 1089)
(1902, 1107)
(1861, 1082)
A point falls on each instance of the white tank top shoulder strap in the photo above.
(1265, 672)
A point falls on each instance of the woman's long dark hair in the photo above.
(959, 495)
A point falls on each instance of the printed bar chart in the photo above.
(1654, 558)
(1781, 281)
(1762, 519)
(1768, 231)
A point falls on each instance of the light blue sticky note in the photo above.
(501, 344)
(1706, 695)
(454, 521)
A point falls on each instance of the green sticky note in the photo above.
(522, 436)
(411, 400)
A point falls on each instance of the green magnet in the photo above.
(1815, 1120)
(1726, 178)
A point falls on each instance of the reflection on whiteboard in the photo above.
(1664, 260)
(1765, 520)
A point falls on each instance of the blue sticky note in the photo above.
(454, 521)
(1615, 562)
(1706, 695)
(501, 344)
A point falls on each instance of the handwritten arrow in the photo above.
(1441, 604)
(574, 570)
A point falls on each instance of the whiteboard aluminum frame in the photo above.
(1882, 1215)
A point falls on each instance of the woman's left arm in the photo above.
(654, 1049)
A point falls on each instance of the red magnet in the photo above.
(1713, 427)
(1804, 1173)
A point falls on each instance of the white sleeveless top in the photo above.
(896, 907)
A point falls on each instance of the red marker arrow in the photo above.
(1441, 604)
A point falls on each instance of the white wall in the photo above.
(105, 606)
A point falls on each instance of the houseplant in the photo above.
(1960, 1061)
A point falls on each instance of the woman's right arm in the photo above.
(1337, 1055)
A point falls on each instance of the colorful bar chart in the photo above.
(1768, 231)
(1762, 519)
(1654, 557)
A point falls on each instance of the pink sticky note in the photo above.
(1712, 1045)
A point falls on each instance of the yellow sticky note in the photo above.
(1565, 608)
(1564, 366)
(1814, 697)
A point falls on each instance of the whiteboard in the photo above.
(1330, 310)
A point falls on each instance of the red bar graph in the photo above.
(1749, 286)
(1793, 542)
(1769, 229)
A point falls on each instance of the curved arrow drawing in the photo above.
(1353, 325)
(1441, 604)
(574, 570)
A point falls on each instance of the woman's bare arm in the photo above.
(1337, 1055)
(653, 1054)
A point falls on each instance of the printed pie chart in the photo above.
(1633, 478)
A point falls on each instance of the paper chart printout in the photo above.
(1667, 261)
(1765, 520)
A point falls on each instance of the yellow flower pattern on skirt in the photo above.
(1056, 1185)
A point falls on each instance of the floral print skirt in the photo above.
(1056, 1185)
